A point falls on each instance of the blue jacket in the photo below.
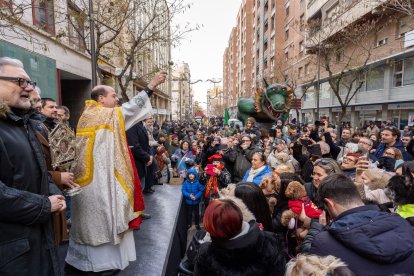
(259, 177)
(399, 145)
(194, 188)
(369, 241)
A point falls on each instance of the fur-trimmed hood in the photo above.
(247, 215)
(4, 109)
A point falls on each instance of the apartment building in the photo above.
(285, 47)
(215, 101)
(181, 92)
(277, 46)
(386, 83)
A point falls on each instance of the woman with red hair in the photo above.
(237, 247)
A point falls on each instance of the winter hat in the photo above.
(215, 157)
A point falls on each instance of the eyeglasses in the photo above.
(365, 143)
(23, 83)
(323, 161)
(347, 159)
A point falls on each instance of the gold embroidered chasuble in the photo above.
(102, 211)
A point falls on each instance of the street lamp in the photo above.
(92, 38)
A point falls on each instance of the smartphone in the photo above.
(305, 142)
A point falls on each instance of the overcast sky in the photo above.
(203, 49)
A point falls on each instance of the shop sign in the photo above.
(368, 107)
(339, 109)
(401, 106)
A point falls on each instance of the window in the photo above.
(405, 25)
(408, 71)
(382, 37)
(287, 11)
(339, 55)
(43, 16)
(398, 73)
(375, 79)
(300, 72)
(287, 34)
(307, 69)
(75, 27)
(286, 54)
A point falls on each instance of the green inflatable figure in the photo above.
(266, 107)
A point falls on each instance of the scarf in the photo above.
(160, 160)
(254, 172)
(212, 183)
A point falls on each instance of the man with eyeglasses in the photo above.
(242, 157)
(369, 241)
(28, 197)
(367, 144)
(390, 137)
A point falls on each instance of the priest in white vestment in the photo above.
(100, 237)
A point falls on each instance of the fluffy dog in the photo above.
(270, 186)
(296, 193)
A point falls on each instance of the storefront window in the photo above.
(375, 79)
(409, 71)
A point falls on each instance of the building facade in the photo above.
(386, 78)
(286, 36)
(52, 40)
(181, 92)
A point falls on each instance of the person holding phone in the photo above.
(215, 178)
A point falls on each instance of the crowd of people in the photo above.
(290, 199)
(344, 193)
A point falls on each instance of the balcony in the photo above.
(314, 6)
(265, 40)
(345, 17)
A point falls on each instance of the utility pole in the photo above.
(318, 87)
(93, 52)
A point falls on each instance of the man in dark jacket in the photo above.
(139, 142)
(28, 197)
(369, 241)
(390, 137)
(242, 157)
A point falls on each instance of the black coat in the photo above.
(242, 161)
(369, 241)
(27, 242)
(253, 254)
(138, 139)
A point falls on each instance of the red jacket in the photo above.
(311, 209)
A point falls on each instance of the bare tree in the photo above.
(138, 40)
(343, 55)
